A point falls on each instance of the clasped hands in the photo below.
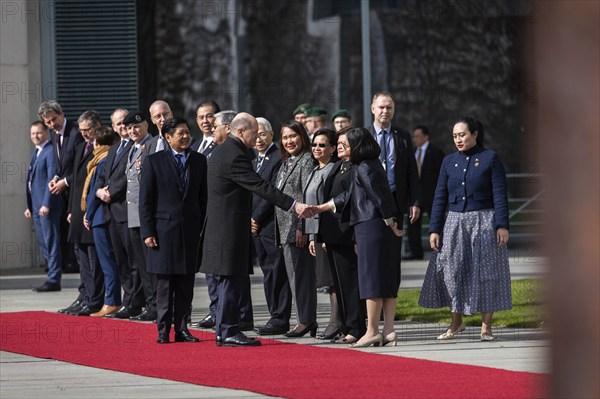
(56, 185)
(307, 211)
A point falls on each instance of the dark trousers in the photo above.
(92, 278)
(130, 281)
(246, 313)
(230, 290)
(139, 252)
(275, 280)
(415, 244)
(174, 294)
(67, 249)
(344, 270)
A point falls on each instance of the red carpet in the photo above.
(275, 368)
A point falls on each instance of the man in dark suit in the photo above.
(112, 193)
(43, 207)
(64, 137)
(429, 159)
(227, 236)
(172, 212)
(397, 158)
(269, 254)
(205, 118)
(91, 288)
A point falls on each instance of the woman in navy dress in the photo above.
(469, 270)
(371, 214)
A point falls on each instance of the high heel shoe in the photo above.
(375, 341)
(451, 334)
(312, 328)
(330, 332)
(390, 338)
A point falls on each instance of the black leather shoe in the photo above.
(163, 338)
(240, 339)
(246, 326)
(209, 321)
(185, 336)
(219, 340)
(47, 287)
(269, 329)
(126, 312)
(77, 304)
(87, 310)
(146, 315)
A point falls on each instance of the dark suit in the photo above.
(47, 228)
(430, 171)
(196, 146)
(64, 169)
(335, 231)
(173, 212)
(227, 238)
(406, 179)
(269, 254)
(91, 289)
(115, 218)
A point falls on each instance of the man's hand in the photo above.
(58, 187)
(86, 224)
(103, 194)
(27, 214)
(415, 211)
(254, 227)
(151, 242)
(304, 211)
(69, 218)
(44, 211)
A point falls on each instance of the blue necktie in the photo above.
(383, 145)
(181, 167)
(259, 162)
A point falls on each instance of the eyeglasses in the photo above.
(165, 115)
(320, 145)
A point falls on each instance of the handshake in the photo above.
(307, 211)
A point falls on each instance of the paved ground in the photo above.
(24, 376)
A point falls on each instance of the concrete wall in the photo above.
(21, 92)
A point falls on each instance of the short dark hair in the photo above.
(209, 103)
(331, 137)
(474, 125)
(105, 136)
(362, 145)
(299, 129)
(423, 128)
(171, 124)
(42, 124)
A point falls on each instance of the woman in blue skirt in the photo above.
(372, 208)
(469, 270)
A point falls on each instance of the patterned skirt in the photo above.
(470, 274)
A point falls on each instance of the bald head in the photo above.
(159, 113)
(245, 127)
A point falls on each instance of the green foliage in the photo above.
(528, 307)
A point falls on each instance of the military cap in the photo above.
(315, 111)
(341, 113)
(301, 109)
(134, 117)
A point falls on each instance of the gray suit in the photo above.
(133, 169)
(299, 264)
